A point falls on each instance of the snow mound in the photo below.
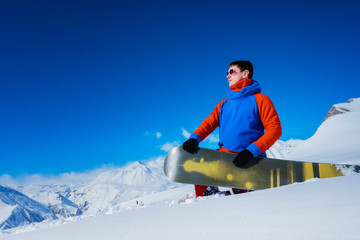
(336, 140)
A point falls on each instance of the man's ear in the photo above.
(246, 73)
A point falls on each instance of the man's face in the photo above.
(234, 75)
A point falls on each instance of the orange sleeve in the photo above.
(210, 123)
(270, 120)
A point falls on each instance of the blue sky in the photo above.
(92, 83)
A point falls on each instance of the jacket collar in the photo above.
(244, 88)
(240, 84)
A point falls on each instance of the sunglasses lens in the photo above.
(230, 72)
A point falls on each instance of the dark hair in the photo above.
(244, 65)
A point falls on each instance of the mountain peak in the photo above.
(343, 108)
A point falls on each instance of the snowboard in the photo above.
(215, 168)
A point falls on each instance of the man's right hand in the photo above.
(191, 145)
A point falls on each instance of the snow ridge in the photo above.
(342, 108)
(336, 140)
(22, 210)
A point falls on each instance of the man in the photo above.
(247, 120)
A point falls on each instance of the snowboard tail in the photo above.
(210, 167)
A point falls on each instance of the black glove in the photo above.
(191, 145)
(243, 158)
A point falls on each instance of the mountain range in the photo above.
(112, 190)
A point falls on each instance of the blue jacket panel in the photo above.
(240, 123)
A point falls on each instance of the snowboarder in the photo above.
(247, 120)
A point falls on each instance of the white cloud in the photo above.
(168, 146)
(185, 133)
(153, 133)
(158, 135)
(72, 178)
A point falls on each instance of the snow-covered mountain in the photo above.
(16, 209)
(282, 149)
(55, 196)
(105, 193)
(143, 184)
(337, 140)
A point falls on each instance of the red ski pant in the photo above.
(199, 190)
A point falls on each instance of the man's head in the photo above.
(239, 70)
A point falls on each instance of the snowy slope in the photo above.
(319, 209)
(5, 211)
(337, 140)
(18, 209)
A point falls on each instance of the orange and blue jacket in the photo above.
(247, 119)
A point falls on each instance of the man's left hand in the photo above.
(243, 158)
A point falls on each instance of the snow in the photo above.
(138, 202)
(25, 210)
(337, 140)
(5, 211)
(281, 149)
(321, 209)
